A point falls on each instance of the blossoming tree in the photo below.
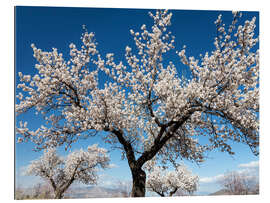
(167, 183)
(146, 108)
(240, 183)
(79, 166)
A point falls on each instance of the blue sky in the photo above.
(49, 27)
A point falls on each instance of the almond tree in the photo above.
(146, 108)
(167, 183)
(240, 183)
(79, 166)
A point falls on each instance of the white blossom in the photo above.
(78, 166)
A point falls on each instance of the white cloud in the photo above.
(252, 164)
(22, 171)
(211, 179)
(246, 167)
(112, 165)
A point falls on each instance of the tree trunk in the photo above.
(138, 175)
(58, 194)
(172, 192)
(139, 179)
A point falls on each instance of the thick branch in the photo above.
(127, 147)
(76, 99)
(160, 142)
(52, 183)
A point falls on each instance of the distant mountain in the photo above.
(220, 192)
(201, 194)
(94, 192)
(104, 192)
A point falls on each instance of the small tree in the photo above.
(80, 166)
(237, 183)
(147, 109)
(167, 183)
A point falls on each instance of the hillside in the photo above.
(220, 192)
(94, 192)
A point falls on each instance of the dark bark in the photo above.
(127, 148)
(139, 179)
(172, 192)
(58, 194)
(160, 194)
(138, 175)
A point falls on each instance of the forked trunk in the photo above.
(58, 194)
(172, 192)
(139, 179)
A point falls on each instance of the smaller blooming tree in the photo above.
(240, 183)
(78, 166)
(167, 183)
